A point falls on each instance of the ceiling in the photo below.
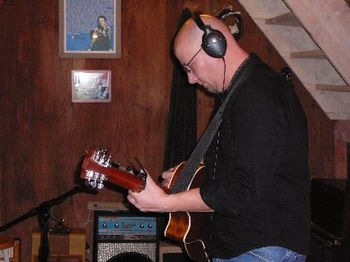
(312, 36)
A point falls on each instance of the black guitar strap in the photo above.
(201, 148)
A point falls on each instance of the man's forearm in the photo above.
(189, 201)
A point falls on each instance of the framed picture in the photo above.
(91, 86)
(90, 28)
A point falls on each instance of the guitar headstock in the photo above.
(98, 167)
(95, 162)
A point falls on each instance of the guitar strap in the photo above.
(201, 148)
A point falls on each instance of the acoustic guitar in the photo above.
(189, 228)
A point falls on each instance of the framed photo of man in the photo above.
(91, 86)
(90, 28)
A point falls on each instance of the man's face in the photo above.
(198, 67)
(102, 21)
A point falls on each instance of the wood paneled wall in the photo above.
(43, 134)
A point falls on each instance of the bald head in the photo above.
(207, 70)
(190, 35)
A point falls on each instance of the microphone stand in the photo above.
(43, 214)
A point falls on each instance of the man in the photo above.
(101, 36)
(257, 180)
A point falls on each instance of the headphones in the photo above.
(213, 41)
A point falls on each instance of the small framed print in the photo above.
(90, 28)
(91, 86)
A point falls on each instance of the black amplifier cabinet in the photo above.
(125, 236)
(325, 247)
(330, 220)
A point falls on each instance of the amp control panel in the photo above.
(124, 226)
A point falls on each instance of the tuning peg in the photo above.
(109, 160)
(95, 179)
(99, 155)
(100, 181)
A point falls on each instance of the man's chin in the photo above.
(210, 89)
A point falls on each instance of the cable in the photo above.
(223, 82)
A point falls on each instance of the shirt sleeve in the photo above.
(254, 134)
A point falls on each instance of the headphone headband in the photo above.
(199, 21)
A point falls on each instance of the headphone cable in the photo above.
(223, 81)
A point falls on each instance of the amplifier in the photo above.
(329, 204)
(125, 234)
(65, 245)
(330, 220)
(9, 249)
(326, 247)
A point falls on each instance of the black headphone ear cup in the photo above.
(214, 43)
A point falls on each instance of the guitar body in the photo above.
(190, 228)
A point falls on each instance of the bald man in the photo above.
(257, 180)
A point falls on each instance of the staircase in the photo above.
(313, 37)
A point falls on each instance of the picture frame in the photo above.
(90, 28)
(91, 86)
